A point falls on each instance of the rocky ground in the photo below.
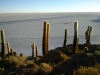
(59, 61)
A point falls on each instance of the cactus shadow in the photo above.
(65, 23)
(96, 20)
(29, 20)
(98, 25)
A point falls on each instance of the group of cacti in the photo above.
(34, 50)
(46, 34)
(45, 41)
(88, 35)
(76, 39)
(10, 50)
(3, 46)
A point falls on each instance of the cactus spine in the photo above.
(3, 45)
(88, 35)
(36, 51)
(65, 38)
(8, 47)
(46, 32)
(75, 41)
(33, 48)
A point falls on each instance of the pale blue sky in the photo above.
(33, 6)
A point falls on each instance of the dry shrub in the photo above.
(63, 57)
(54, 56)
(46, 67)
(98, 66)
(31, 70)
(16, 61)
(87, 71)
(74, 62)
(30, 62)
(1, 70)
(97, 56)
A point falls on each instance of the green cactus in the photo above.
(88, 35)
(65, 38)
(75, 41)
(33, 48)
(46, 33)
(3, 44)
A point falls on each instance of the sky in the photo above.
(39, 6)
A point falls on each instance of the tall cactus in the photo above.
(3, 44)
(33, 48)
(65, 38)
(88, 35)
(46, 32)
(12, 52)
(44, 48)
(75, 41)
(8, 47)
(86, 49)
(36, 51)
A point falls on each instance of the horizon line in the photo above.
(42, 12)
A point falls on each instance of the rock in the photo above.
(87, 60)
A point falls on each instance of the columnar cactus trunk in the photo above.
(36, 51)
(88, 35)
(44, 48)
(12, 52)
(33, 49)
(8, 47)
(86, 49)
(46, 33)
(75, 41)
(65, 38)
(3, 44)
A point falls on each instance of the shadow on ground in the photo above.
(96, 20)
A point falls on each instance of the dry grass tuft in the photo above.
(87, 71)
(30, 62)
(16, 61)
(46, 67)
